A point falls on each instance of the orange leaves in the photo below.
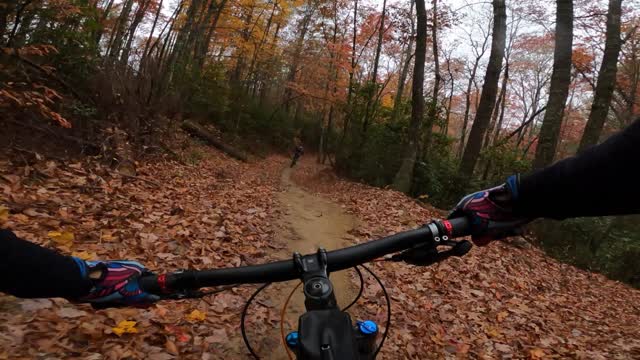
(27, 94)
(536, 354)
(38, 101)
(583, 59)
(4, 214)
(497, 301)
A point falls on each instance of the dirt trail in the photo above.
(307, 223)
(315, 222)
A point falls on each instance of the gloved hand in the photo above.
(491, 212)
(115, 284)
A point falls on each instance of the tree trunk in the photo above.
(17, 21)
(303, 27)
(445, 128)
(404, 72)
(376, 61)
(25, 28)
(142, 8)
(498, 111)
(467, 107)
(489, 90)
(117, 37)
(404, 176)
(353, 52)
(433, 107)
(503, 105)
(101, 22)
(606, 78)
(559, 88)
(202, 44)
(202, 133)
(373, 95)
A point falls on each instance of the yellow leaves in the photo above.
(492, 332)
(4, 214)
(125, 327)
(196, 315)
(85, 255)
(62, 238)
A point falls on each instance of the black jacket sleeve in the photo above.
(31, 271)
(603, 180)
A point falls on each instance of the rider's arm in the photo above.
(603, 180)
(32, 271)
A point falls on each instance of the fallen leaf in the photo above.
(64, 238)
(196, 315)
(501, 316)
(34, 213)
(4, 214)
(493, 332)
(159, 356)
(218, 336)
(178, 332)
(85, 255)
(35, 304)
(70, 313)
(536, 353)
(171, 347)
(125, 327)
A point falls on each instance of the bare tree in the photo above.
(433, 106)
(479, 49)
(404, 177)
(489, 90)
(606, 78)
(560, 81)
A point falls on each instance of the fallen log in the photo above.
(202, 133)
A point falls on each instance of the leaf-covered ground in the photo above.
(497, 302)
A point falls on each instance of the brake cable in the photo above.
(244, 315)
(359, 291)
(386, 296)
(282, 319)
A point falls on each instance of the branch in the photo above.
(629, 34)
(51, 75)
(522, 126)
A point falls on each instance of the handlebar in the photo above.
(189, 280)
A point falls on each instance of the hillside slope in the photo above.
(497, 302)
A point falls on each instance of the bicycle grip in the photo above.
(458, 227)
(149, 283)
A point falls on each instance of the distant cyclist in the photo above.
(600, 181)
(296, 155)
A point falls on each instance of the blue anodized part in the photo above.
(368, 327)
(292, 339)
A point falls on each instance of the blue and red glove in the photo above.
(491, 212)
(115, 283)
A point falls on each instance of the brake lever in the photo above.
(425, 255)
